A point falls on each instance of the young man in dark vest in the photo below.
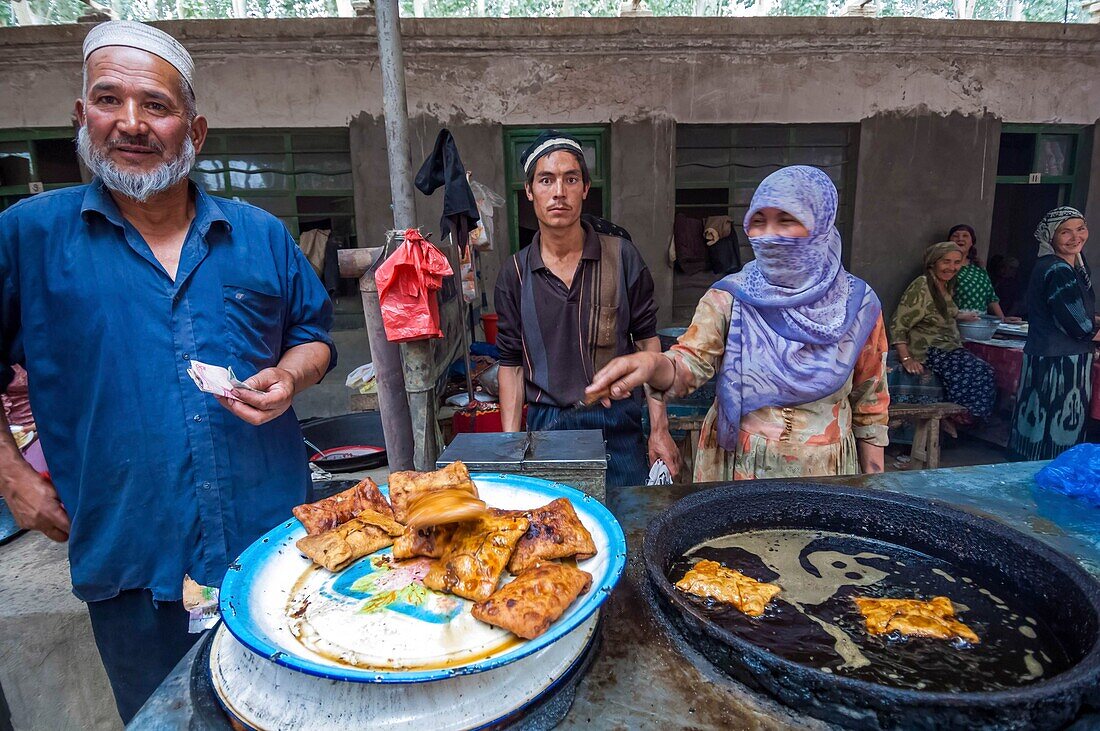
(569, 303)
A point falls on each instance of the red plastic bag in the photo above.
(407, 284)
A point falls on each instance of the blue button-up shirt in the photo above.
(158, 479)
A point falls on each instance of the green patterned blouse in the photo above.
(919, 325)
(973, 290)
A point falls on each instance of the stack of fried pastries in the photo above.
(469, 557)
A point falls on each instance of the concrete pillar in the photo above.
(1092, 202)
(643, 196)
(918, 175)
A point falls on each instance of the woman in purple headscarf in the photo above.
(799, 344)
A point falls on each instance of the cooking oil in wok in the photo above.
(815, 622)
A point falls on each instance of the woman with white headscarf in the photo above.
(1052, 404)
(798, 342)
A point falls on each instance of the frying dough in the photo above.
(404, 486)
(364, 534)
(712, 580)
(534, 600)
(555, 532)
(336, 509)
(430, 542)
(914, 618)
(476, 556)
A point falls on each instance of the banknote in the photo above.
(217, 380)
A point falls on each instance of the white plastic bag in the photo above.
(659, 474)
(362, 379)
(481, 238)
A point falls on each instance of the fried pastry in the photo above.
(555, 532)
(441, 507)
(712, 580)
(534, 600)
(475, 558)
(404, 486)
(430, 542)
(332, 511)
(934, 618)
(364, 534)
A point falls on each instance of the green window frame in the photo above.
(518, 138)
(288, 172)
(29, 145)
(1045, 136)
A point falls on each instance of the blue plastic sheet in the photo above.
(1075, 472)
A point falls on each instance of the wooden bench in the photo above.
(926, 437)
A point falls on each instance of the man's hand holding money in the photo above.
(267, 397)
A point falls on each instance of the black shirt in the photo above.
(545, 326)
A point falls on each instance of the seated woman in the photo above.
(799, 342)
(1055, 387)
(924, 333)
(973, 289)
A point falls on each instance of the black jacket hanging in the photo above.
(444, 168)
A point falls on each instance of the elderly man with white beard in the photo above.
(107, 292)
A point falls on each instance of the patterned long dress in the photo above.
(808, 440)
(1055, 388)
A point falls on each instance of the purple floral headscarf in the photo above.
(799, 319)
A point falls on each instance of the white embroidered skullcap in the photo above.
(144, 38)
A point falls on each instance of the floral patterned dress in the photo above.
(810, 440)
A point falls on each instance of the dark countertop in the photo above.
(644, 677)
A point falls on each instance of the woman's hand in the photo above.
(662, 446)
(621, 376)
(1013, 320)
(967, 316)
(913, 367)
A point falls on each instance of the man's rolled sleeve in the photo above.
(509, 325)
(308, 307)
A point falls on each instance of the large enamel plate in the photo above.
(375, 622)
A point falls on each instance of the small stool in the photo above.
(926, 439)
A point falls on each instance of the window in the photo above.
(718, 168)
(33, 160)
(522, 224)
(301, 176)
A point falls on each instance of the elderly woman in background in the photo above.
(924, 333)
(973, 289)
(799, 344)
(1051, 407)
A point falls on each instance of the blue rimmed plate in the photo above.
(375, 622)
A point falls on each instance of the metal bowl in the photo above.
(982, 329)
(1053, 587)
